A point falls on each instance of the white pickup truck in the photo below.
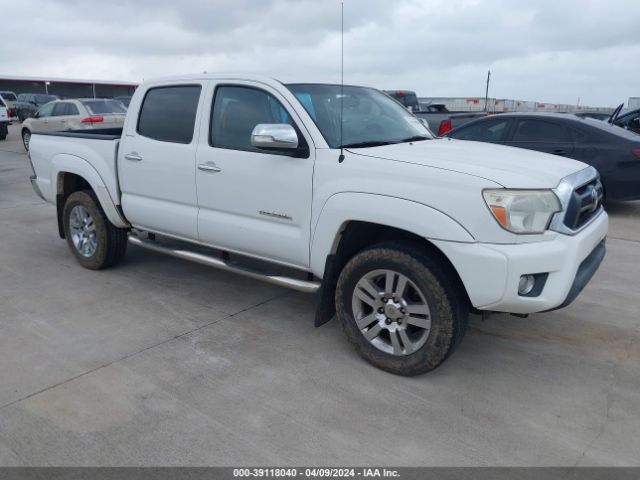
(335, 190)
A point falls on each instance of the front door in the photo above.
(253, 201)
(156, 161)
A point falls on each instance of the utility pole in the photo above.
(486, 94)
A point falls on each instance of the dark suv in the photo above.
(29, 103)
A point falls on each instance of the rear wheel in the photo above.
(400, 309)
(4, 131)
(26, 138)
(92, 238)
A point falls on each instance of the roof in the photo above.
(82, 81)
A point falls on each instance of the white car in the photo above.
(5, 120)
(335, 190)
(74, 114)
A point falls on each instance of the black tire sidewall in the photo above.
(87, 200)
(444, 318)
(24, 143)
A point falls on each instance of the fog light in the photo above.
(526, 284)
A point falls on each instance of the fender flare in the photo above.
(400, 213)
(66, 163)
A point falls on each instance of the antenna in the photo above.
(341, 157)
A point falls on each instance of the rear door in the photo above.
(548, 135)
(58, 119)
(156, 160)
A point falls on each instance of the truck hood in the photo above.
(509, 166)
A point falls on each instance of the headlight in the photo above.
(522, 211)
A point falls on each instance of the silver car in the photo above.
(74, 114)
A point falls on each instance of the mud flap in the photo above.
(326, 308)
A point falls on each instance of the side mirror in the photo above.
(274, 136)
(424, 122)
(36, 115)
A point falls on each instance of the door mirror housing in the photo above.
(36, 115)
(276, 136)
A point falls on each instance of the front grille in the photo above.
(585, 203)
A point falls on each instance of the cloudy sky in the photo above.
(545, 50)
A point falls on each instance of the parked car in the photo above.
(440, 119)
(80, 114)
(27, 104)
(335, 190)
(5, 121)
(628, 120)
(10, 100)
(125, 99)
(614, 152)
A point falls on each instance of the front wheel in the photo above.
(93, 239)
(400, 309)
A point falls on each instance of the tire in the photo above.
(26, 138)
(4, 131)
(430, 335)
(95, 242)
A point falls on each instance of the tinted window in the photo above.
(72, 109)
(98, 107)
(42, 99)
(9, 96)
(59, 109)
(540, 131)
(168, 114)
(489, 131)
(237, 110)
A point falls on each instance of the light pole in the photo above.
(46, 87)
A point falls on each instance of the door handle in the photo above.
(209, 167)
(133, 156)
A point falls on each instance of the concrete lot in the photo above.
(164, 362)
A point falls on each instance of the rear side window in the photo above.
(168, 114)
(489, 131)
(99, 107)
(540, 131)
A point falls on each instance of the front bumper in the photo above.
(491, 272)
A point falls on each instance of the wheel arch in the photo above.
(341, 233)
(70, 174)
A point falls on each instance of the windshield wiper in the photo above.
(377, 143)
(415, 138)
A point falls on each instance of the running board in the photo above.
(210, 261)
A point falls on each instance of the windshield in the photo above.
(8, 96)
(370, 117)
(41, 99)
(97, 107)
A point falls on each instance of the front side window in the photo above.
(483, 131)
(530, 130)
(168, 114)
(237, 110)
(47, 110)
(358, 116)
(9, 96)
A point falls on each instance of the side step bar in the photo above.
(210, 261)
